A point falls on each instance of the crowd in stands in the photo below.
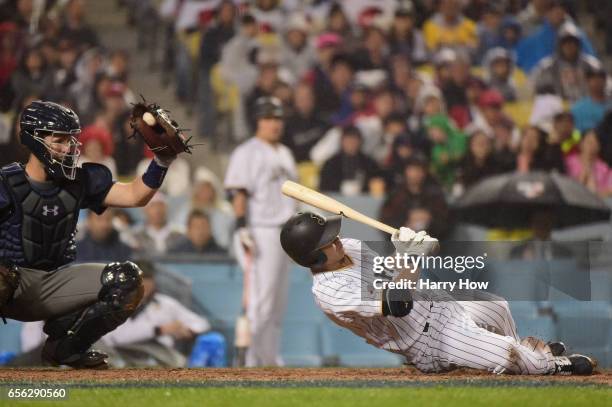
(409, 101)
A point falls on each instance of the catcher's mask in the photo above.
(40, 120)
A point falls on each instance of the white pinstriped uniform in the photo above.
(439, 333)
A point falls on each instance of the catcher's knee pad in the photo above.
(9, 281)
(121, 293)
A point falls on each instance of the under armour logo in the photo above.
(50, 211)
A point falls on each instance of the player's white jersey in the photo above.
(339, 294)
(261, 168)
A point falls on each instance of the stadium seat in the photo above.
(301, 305)
(220, 300)
(542, 327)
(10, 340)
(348, 349)
(585, 327)
(301, 343)
(204, 272)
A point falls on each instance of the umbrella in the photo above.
(509, 200)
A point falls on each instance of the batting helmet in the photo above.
(305, 233)
(42, 118)
(269, 107)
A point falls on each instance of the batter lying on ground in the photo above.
(434, 331)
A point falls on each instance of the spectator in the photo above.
(213, 40)
(541, 246)
(101, 242)
(418, 218)
(237, 56)
(332, 91)
(489, 115)
(297, 52)
(199, 238)
(564, 133)
(418, 189)
(589, 111)
(129, 151)
(402, 151)
(565, 71)
(478, 163)
(75, 28)
(32, 76)
(339, 25)
(98, 147)
(489, 29)
(304, 126)
(448, 27)
(349, 171)
(207, 196)
(499, 66)
(118, 66)
(448, 148)
(373, 54)
(588, 168)
(534, 15)
(429, 102)
(455, 89)
(269, 15)
(394, 125)
(405, 38)
(266, 82)
(535, 153)
(543, 43)
(156, 234)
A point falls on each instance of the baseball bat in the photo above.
(321, 201)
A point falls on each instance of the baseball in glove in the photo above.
(162, 134)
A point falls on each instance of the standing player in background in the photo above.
(257, 169)
(39, 209)
(430, 328)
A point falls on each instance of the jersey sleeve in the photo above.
(238, 175)
(98, 181)
(345, 300)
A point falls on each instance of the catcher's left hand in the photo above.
(160, 133)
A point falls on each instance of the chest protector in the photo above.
(40, 231)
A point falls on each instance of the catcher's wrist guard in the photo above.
(154, 176)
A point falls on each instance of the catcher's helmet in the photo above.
(269, 107)
(40, 119)
(305, 233)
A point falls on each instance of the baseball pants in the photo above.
(268, 285)
(480, 335)
(44, 295)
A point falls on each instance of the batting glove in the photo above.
(414, 243)
(246, 239)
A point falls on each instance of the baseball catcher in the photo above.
(39, 208)
(430, 328)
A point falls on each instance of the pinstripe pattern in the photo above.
(440, 333)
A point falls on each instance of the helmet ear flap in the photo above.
(321, 258)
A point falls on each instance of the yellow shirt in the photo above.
(437, 34)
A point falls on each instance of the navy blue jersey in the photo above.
(38, 220)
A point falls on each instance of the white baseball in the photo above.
(149, 119)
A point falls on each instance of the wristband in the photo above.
(154, 176)
(396, 302)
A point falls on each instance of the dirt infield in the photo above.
(288, 376)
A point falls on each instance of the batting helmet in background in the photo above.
(305, 233)
(269, 107)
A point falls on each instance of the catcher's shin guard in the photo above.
(70, 336)
(9, 281)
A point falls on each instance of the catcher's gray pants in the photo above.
(43, 295)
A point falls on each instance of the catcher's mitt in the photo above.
(159, 131)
